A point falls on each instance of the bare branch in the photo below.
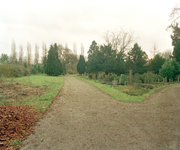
(120, 40)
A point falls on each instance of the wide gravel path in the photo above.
(83, 117)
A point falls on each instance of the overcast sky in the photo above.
(80, 21)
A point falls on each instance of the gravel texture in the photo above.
(83, 117)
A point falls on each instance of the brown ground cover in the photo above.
(16, 123)
(14, 92)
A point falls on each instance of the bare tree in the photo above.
(44, 50)
(21, 54)
(167, 54)
(82, 49)
(28, 54)
(36, 60)
(74, 49)
(121, 40)
(13, 57)
(174, 16)
(155, 50)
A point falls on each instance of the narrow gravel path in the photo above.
(83, 117)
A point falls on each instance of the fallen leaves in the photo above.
(16, 122)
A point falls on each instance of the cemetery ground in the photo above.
(23, 100)
(84, 117)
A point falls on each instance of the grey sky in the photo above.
(69, 21)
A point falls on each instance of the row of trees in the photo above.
(115, 56)
(68, 59)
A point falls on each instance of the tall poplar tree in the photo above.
(13, 57)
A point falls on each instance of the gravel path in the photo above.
(83, 117)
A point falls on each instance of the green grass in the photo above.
(14, 142)
(117, 93)
(51, 84)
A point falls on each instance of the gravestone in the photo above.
(136, 84)
(128, 81)
(165, 79)
(94, 76)
(99, 76)
(125, 83)
(145, 81)
(130, 77)
(119, 80)
(114, 82)
(84, 73)
(137, 78)
(106, 78)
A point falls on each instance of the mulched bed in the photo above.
(16, 122)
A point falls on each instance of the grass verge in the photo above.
(119, 95)
(34, 90)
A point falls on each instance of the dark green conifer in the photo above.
(81, 65)
(53, 65)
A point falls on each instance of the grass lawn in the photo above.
(34, 90)
(120, 92)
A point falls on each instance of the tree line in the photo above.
(26, 64)
(116, 57)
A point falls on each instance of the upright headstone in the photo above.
(106, 78)
(137, 78)
(165, 79)
(125, 83)
(136, 83)
(99, 76)
(130, 77)
(94, 76)
(114, 82)
(119, 80)
(148, 80)
(128, 81)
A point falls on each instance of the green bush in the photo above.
(90, 76)
(17, 70)
(70, 71)
(8, 70)
(170, 69)
(123, 79)
(112, 76)
(33, 71)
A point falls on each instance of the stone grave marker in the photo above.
(128, 81)
(136, 84)
(119, 80)
(106, 78)
(114, 82)
(125, 83)
(94, 76)
(165, 79)
(137, 77)
(130, 77)
(145, 81)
